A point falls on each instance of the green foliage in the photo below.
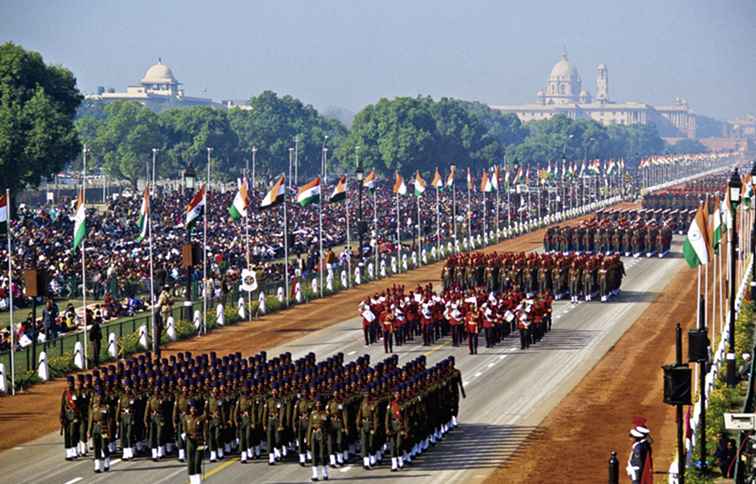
(687, 145)
(60, 366)
(271, 125)
(27, 379)
(37, 107)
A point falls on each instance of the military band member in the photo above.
(472, 328)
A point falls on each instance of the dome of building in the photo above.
(564, 70)
(159, 74)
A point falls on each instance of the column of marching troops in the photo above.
(612, 235)
(398, 317)
(321, 413)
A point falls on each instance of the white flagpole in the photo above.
(496, 174)
(286, 243)
(438, 221)
(398, 237)
(418, 249)
(10, 294)
(204, 250)
(454, 212)
(321, 264)
(509, 206)
(153, 327)
(469, 214)
(83, 259)
(250, 191)
(349, 242)
(375, 227)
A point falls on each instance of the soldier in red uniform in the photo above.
(471, 320)
(387, 325)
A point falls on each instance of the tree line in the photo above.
(45, 121)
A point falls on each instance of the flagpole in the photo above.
(509, 206)
(286, 243)
(246, 238)
(438, 222)
(419, 232)
(321, 262)
(83, 255)
(375, 227)
(10, 293)
(204, 249)
(498, 233)
(349, 243)
(454, 212)
(469, 212)
(398, 237)
(153, 327)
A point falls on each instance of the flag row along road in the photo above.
(509, 392)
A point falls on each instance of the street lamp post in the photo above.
(154, 156)
(734, 186)
(324, 168)
(254, 155)
(296, 160)
(291, 167)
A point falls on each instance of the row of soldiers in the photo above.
(208, 406)
(676, 220)
(579, 276)
(609, 237)
(397, 317)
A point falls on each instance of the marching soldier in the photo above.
(471, 319)
(69, 419)
(215, 411)
(196, 428)
(273, 424)
(367, 425)
(153, 422)
(243, 419)
(395, 431)
(99, 424)
(338, 416)
(387, 326)
(317, 434)
(126, 412)
(180, 411)
(305, 404)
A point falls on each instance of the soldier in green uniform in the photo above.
(196, 428)
(84, 389)
(395, 432)
(125, 414)
(337, 412)
(367, 425)
(180, 411)
(69, 419)
(302, 408)
(317, 434)
(273, 424)
(99, 424)
(243, 417)
(153, 423)
(215, 412)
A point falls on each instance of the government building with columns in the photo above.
(158, 90)
(564, 94)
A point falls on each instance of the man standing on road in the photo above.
(195, 427)
(639, 462)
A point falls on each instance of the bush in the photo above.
(27, 379)
(62, 365)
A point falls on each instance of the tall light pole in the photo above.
(154, 156)
(291, 167)
(734, 186)
(296, 160)
(324, 168)
(254, 153)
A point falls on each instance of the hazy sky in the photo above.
(350, 53)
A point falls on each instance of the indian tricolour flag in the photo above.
(80, 218)
(275, 195)
(452, 174)
(144, 215)
(400, 188)
(716, 238)
(437, 182)
(3, 208)
(419, 184)
(485, 183)
(609, 167)
(238, 208)
(495, 178)
(340, 191)
(696, 246)
(195, 208)
(309, 192)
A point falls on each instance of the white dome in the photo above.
(584, 93)
(564, 70)
(159, 74)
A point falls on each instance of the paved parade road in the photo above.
(509, 392)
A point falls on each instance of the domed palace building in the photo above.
(158, 90)
(565, 94)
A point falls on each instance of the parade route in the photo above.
(509, 392)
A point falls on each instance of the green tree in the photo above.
(687, 146)
(123, 141)
(189, 132)
(38, 103)
(271, 125)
